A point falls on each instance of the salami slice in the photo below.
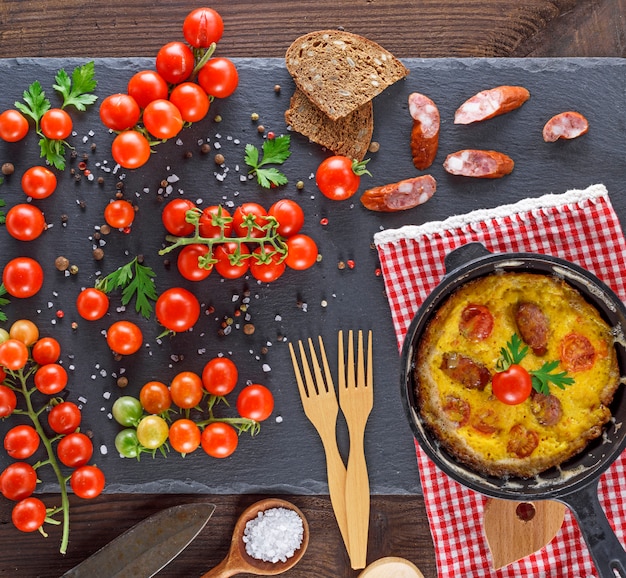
(480, 164)
(425, 132)
(489, 103)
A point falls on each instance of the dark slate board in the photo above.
(287, 455)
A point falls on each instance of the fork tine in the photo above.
(308, 377)
(351, 374)
(296, 370)
(360, 362)
(370, 368)
(329, 378)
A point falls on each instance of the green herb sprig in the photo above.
(135, 280)
(515, 352)
(275, 151)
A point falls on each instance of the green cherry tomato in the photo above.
(152, 432)
(512, 386)
(127, 411)
(127, 444)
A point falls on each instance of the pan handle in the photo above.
(606, 550)
(464, 254)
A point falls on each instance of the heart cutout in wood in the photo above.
(515, 530)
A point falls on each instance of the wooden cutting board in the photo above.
(515, 530)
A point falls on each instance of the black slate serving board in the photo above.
(286, 456)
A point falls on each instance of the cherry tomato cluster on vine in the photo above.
(159, 103)
(27, 357)
(250, 239)
(164, 413)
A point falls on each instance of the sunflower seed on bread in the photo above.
(340, 71)
(349, 136)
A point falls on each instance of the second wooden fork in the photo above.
(356, 397)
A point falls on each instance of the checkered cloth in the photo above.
(580, 226)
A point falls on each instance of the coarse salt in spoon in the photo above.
(239, 561)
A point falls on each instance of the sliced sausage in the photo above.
(425, 133)
(566, 125)
(400, 196)
(476, 323)
(481, 164)
(533, 326)
(577, 352)
(522, 441)
(489, 103)
(547, 409)
(466, 371)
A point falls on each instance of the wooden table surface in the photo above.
(429, 28)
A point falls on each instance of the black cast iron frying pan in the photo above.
(575, 483)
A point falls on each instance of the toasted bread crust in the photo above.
(349, 136)
(340, 71)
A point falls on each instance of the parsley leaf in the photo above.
(53, 151)
(135, 280)
(512, 354)
(76, 90)
(544, 376)
(3, 301)
(275, 151)
(35, 103)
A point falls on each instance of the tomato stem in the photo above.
(22, 377)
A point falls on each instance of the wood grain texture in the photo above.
(426, 28)
(398, 528)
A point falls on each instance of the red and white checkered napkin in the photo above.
(580, 226)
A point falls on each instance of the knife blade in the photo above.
(148, 546)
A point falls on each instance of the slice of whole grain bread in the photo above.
(340, 71)
(349, 136)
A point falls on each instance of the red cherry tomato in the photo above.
(191, 100)
(186, 389)
(512, 386)
(187, 262)
(119, 214)
(249, 220)
(162, 119)
(155, 397)
(119, 111)
(336, 178)
(87, 482)
(13, 125)
(146, 86)
(124, 337)
(227, 265)
(92, 304)
(177, 309)
(29, 514)
(266, 264)
(50, 378)
(577, 352)
(289, 215)
(202, 27)
(56, 124)
(13, 354)
(64, 418)
(301, 252)
(219, 376)
(22, 277)
(8, 401)
(184, 436)
(219, 439)
(173, 217)
(476, 322)
(215, 221)
(18, 481)
(39, 182)
(46, 350)
(25, 222)
(21, 441)
(130, 149)
(74, 450)
(175, 62)
(255, 402)
(219, 77)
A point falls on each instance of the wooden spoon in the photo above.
(515, 530)
(239, 561)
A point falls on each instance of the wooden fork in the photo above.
(356, 398)
(320, 406)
